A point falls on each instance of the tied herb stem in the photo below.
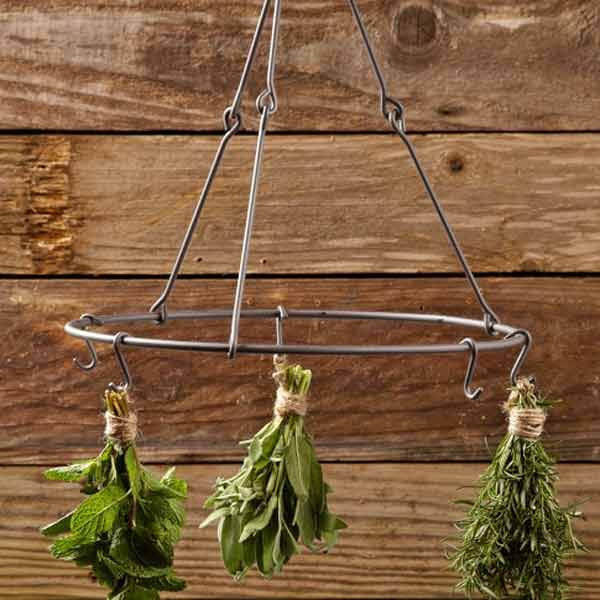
(278, 500)
(515, 536)
(126, 528)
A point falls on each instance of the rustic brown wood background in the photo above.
(110, 111)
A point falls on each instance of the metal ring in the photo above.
(78, 329)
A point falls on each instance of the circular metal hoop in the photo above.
(79, 328)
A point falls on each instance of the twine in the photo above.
(527, 423)
(122, 430)
(286, 403)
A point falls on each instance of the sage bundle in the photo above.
(126, 527)
(515, 535)
(278, 500)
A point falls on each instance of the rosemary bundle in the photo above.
(278, 499)
(515, 535)
(126, 527)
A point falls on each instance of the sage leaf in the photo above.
(278, 498)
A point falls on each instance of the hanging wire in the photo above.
(233, 122)
(266, 103)
(395, 116)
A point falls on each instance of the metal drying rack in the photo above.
(501, 336)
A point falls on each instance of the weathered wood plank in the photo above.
(399, 516)
(195, 407)
(114, 204)
(457, 64)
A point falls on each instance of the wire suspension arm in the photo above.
(266, 104)
(448, 229)
(395, 116)
(233, 123)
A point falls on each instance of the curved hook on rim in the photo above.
(127, 381)
(93, 358)
(91, 349)
(514, 372)
(470, 393)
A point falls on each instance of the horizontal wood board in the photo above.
(399, 517)
(82, 204)
(195, 407)
(158, 64)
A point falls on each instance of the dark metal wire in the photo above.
(396, 120)
(78, 328)
(233, 122)
(117, 341)
(528, 341)
(266, 103)
(470, 393)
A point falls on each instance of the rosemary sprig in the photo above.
(125, 529)
(515, 535)
(278, 499)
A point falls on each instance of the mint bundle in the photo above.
(126, 527)
(516, 536)
(278, 500)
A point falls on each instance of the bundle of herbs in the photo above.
(515, 535)
(126, 527)
(279, 498)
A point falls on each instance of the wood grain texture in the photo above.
(195, 407)
(119, 204)
(399, 516)
(158, 64)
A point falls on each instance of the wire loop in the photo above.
(232, 120)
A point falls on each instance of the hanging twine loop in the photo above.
(121, 424)
(286, 403)
(527, 423)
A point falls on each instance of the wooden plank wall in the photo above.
(109, 114)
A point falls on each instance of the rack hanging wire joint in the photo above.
(502, 336)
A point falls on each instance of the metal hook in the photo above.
(127, 381)
(93, 358)
(93, 354)
(283, 314)
(514, 372)
(469, 393)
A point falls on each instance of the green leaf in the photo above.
(264, 550)
(124, 554)
(231, 549)
(133, 471)
(166, 583)
(215, 516)
(261, 520)
(297, 465)
(304, 518)
(73, 547)
(72, 473)
(99, 512)
(62, 525)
